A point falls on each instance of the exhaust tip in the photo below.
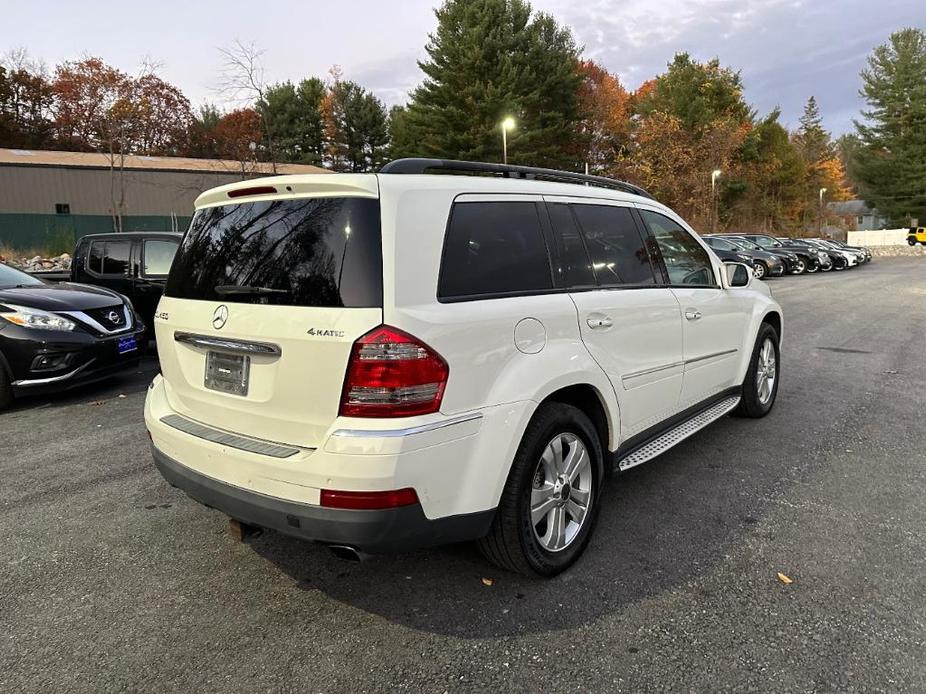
(346, 553)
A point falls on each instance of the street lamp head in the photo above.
(716, 172)
(508, 123)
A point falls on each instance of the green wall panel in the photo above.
(57, 234)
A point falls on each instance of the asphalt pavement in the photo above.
(110, 580)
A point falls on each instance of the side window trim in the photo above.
(641, 231)
(545, 235)
(678, 220)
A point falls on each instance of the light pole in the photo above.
(715, 174)
(507, 124)
(820, 217)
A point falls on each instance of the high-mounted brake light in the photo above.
(392, 374)
(253, 190)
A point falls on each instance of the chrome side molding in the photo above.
(408, 431)
(227, 344)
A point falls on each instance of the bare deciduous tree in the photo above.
(242, 80)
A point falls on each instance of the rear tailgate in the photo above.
(264, 301)
(292, 396)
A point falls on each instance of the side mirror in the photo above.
(737, 275)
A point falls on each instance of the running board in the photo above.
(678, 433)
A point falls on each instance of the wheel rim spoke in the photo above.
(574, 462)
(556, 528)
(542, 509)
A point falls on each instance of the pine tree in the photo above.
(294, 114)
(487, 60)
(811, 139)
(890, 161)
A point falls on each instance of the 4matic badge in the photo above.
(315, 332)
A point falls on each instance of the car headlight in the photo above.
(35, 318)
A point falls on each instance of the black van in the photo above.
(133, 263)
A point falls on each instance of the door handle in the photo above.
(692, 314)
(598, 322)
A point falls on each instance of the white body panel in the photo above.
(505, 356)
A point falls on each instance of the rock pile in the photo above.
(58, 263)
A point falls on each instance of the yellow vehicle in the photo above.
(916, 235)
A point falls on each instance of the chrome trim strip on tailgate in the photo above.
(242, 443)
(409, 431)
(227, 344)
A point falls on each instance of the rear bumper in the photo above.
(375, 532)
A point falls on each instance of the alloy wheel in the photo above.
(759, 271)
(766, 372)
(801, 266)
(561, 492)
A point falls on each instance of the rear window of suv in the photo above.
(493, 249)
(324, 252)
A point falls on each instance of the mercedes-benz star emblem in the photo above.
(114, 318)
(219, 317)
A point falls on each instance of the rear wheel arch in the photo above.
(588, 399)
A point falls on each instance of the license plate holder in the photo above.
(126, 344)
(227, 373)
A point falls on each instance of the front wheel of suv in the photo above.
(550, 502)
(760, 387)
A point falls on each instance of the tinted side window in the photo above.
(493, 248)
(686, 261)
(109, 257)
(158, 257)
(573, 267)
(616, 247)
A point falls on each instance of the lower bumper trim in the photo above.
(375, 531)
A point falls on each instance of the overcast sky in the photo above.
(786, 49)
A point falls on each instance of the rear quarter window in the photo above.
(493, 249)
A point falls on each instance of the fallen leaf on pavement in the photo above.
(487, 581)
(784, 579)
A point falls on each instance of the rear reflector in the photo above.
(392, 374)
(369, 500)
(254, 190)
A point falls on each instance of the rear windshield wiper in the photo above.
(247, 289)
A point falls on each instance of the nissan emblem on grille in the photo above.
(114, 318)
(219, 317)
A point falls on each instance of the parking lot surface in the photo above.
(110, 580)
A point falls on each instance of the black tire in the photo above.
(812, 267)
(512, 543)
(826, 268)
(801, 267)
(752, 403)
(761, 270)
(912, 242)
(840, 265)
(6, 390)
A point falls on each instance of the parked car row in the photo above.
(773, 257)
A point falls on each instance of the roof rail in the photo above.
(451, 166)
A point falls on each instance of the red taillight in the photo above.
(253, 190)
(392, 374)
(369, 500)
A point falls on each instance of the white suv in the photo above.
(385, 361)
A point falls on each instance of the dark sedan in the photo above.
(55, 336)
(763, 263)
